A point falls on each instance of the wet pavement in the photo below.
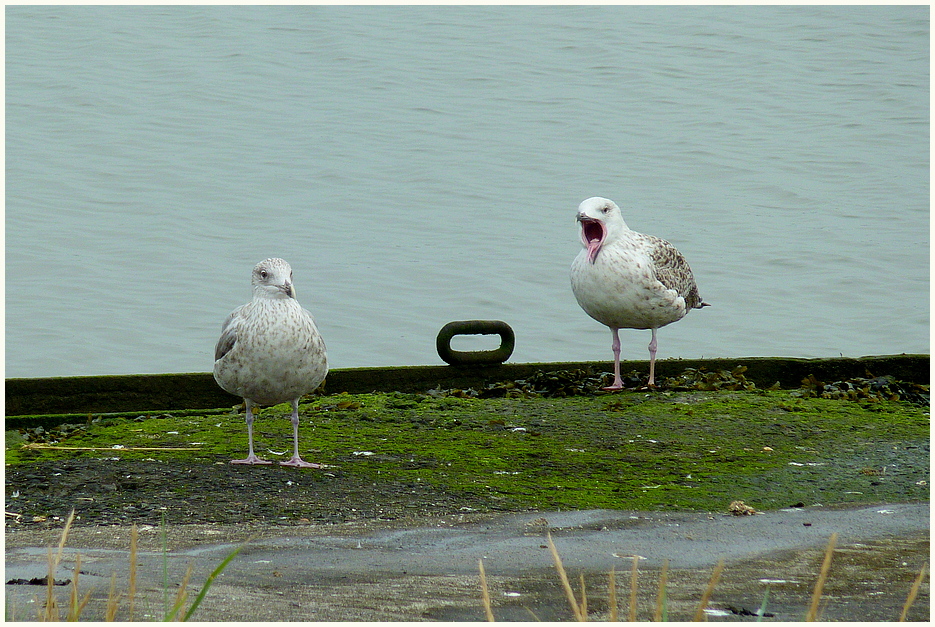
(428, 569)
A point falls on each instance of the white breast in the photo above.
(278, 354)
(620, 288)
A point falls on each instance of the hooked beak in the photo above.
(592, 235)
(288, 289)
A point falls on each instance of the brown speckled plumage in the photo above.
(673, 271)
(625, 279)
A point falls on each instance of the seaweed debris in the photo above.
(580, 382)
(695, 379)
(59, 433)
(552, 384)
(885, 388)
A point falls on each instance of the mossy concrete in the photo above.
(634, 450)
(406, 464)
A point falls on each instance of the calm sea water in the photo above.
(418, 165)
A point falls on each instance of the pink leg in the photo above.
(296, 460)
(618, 382)
(652, 361)
(251, 458)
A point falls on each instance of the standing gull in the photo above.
(625, 279)
(270, 352)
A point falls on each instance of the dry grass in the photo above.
(180, 596)
(659, 613)
(706, 596)
(913, 592)
(612, 595)
(485, 594)
(634, 588)
(51, 612)
(76, 606)
(113, 600)
(580, 608)
(812, 613)
(563, 576)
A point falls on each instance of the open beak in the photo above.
(592, 235)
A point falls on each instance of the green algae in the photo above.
(631, 450)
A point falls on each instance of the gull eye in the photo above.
(605, 209)
(264, 274)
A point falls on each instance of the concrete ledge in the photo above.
(162, 392)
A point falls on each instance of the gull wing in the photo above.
(673, 271)
(228, 333)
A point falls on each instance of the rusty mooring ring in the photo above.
(475, 327)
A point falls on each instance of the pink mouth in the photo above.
(592, 235)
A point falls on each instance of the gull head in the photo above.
(600, 220)
(272, 278)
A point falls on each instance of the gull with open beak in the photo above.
(624, 279)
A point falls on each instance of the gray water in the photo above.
(418, 165)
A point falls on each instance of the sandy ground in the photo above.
(427, 568)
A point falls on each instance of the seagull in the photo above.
(270, 352)
(627, 280)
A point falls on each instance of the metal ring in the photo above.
(475, 327)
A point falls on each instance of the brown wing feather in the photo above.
(673, 271)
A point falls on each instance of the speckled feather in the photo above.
(633, 280)
(672, 270)
(624, 279)
(270, 350)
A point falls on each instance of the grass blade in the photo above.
(61, 542)
(181, 595)
(699, 613)
(50, 612)
(214, 574)
(812, 613)
(660, 613)
(73, 597)
(485, 594)
(533, 614)
(113, 600)
(633, 588)
(569, 593)
(612, 595)
(76, 606)
(913, 592)
(51, 605)
(762, 611)
(584, 597)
